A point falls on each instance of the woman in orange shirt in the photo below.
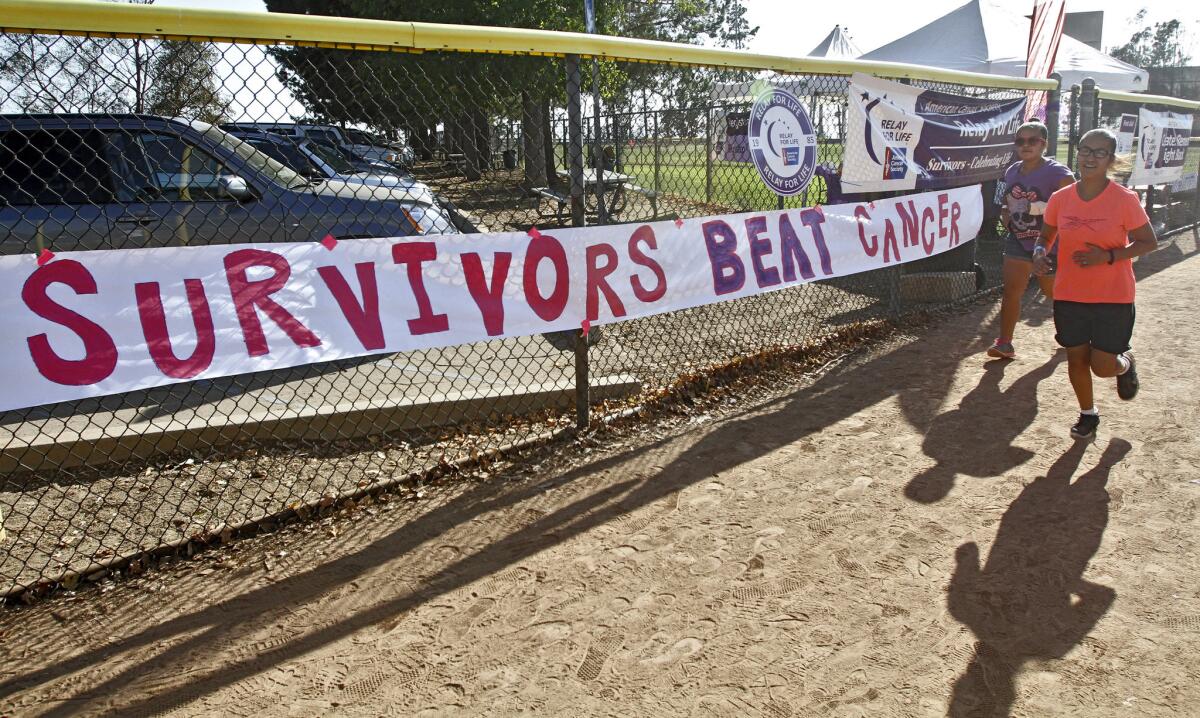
(1100, 227)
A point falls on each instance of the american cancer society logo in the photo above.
(782, 143)
(895, 163)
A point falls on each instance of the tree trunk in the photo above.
(533, 129)
(450, 135)
(548, 142)
(477, 145)
(422, 139)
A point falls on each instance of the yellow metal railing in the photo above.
(77, 17)
(1147, 99)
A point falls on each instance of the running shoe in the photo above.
(1085, 428)
(1127, 383)
(1002, 351)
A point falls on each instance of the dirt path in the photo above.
(910, 533)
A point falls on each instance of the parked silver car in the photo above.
(360, 143)
(83, 181)
(319, 160)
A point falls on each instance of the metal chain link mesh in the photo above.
(142, 142)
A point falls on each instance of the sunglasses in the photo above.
(1023, 141)
(1099, 153)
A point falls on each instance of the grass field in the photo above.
(680, 169)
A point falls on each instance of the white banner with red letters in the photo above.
(92, 323)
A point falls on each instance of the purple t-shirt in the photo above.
(1026, 196)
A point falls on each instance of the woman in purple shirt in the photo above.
(1027, 185)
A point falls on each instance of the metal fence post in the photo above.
(1194, 219)
(575, 170)
(598, 144)
(1150, 204)
(657, 154)
(708, 154)
(574, 141)
(1073, 126)
(1053, 110)
(895, 305)
(1087, 106)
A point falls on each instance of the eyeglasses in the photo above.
(1099, 153)
(1022, 141)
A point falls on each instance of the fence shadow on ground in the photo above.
(836, 396)
(920, 373)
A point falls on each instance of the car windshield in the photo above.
(272, 169)
(359, 137)
(323, 135)
(330, 157)
(289, 155)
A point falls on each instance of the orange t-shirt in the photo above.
(1105, 221)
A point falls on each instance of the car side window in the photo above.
(135, 181)
(288, 154)
(53, 167)
(182, 171)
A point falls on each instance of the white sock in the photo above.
(1090, 412)
(1123, 363)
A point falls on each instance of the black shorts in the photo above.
(1014, 249)
(1107, 327)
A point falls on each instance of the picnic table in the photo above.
(617, 187)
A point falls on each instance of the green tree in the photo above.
(1158, 45)
(465, 92)
(183, 84)
(46, 73)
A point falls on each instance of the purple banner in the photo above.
(901, 137)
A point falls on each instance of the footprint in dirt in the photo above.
(597, 655)
(680, 650)
(855, 490)
(457, 626)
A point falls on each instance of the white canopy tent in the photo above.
(984, 36)
(836, 44)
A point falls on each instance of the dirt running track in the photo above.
(909, 533)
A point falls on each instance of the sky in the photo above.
(784, 29)
(794, 27)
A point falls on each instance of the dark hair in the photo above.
(1036, 125)
(1107, 134)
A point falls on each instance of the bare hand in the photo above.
(1091, 256)
(1041, 264)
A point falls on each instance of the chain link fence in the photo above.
(139, 141)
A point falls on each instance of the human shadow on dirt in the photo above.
(1029, 601)
(976, 437)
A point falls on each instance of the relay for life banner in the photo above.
(102, 322)
(1162, 147)
(900, 137)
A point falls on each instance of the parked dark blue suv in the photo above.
(78, 181)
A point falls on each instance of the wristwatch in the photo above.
(1038, 249)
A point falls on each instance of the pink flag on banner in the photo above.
(1045, 32)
